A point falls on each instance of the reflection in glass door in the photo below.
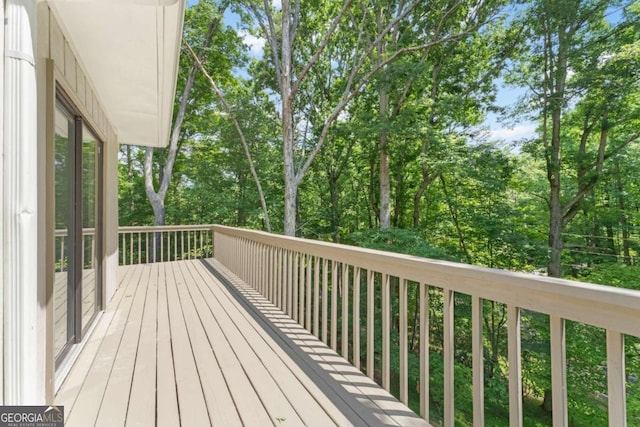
(91, 239)
(63, 166)
(78, 242)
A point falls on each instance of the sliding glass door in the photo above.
(78, 241)
(91, 238)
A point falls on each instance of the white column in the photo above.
(23, 378)
(110, 217)
(2, 277)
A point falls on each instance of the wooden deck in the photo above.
(186, 343)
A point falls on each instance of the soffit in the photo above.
(129, 51)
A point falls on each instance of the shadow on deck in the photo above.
(187, 343)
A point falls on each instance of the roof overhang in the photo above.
(130, 52)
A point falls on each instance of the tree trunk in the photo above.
(399, 205)
(290, 195)
(154, 246)
(626, 248)
(416, 205)
(547, 401)
(427, 179)
(554, 268)
(454, 217)
(384, 168)
(157, 198)
(335, 211)
(609, 241)
(132, 205)
(290, 184)
(241, 213)
(555, 102)
(373, 203)
(383, 142)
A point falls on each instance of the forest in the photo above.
(499, 133)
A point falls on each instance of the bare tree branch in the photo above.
(314, 59)
(231, 114)
(350, 92)
(269, 30)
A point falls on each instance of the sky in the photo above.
(506, 97)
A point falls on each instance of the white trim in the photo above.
(14, 54)
(2, 278)
(22, 372)
(129, 52)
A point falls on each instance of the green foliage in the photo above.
(408, 242)
(618, 275)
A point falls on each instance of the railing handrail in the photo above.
(597, 305)
(150, 228)
(138, 244)
(62, 232)
(140, 228)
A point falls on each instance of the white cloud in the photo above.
(513, 134)
(277, 4)
(256, 44)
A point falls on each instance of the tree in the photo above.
(202, 13)
(323, 24)
(573, 75)
(234, 119)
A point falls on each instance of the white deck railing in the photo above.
(140, 245)
(319, 283)
(62, 250)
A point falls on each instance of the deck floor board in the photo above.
(220, 404)
(166, 391)
(90, 394)
(187, 343)
(143, 386)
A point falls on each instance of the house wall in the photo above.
(23, 353)
(70, 75)
(35, 55)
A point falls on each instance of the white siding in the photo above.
(26, 361)
(23, 366)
